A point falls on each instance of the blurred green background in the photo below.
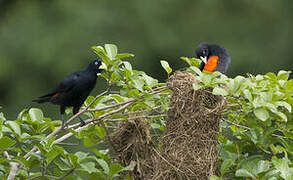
(43, 41)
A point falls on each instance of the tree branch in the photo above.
(86, 109)
(13, 169)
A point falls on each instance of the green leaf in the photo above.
(111, 50)
(73, 159)
(206, 78)
(196, 86)
(214, 177)
(104, 165)
(261, 166)
(14, 127)
(151, 82)
(138, 83)
(36, 114)
(289, 85)
(284, 75)
(99, 50)
(89, 167)
(6, 142)
(247, 95)
(62, 164)
(261, 114)
(88, 142)
(226, 164)
(220, 91)
(196, 70)
(127, 65)
(114, 169)
(282, 165)
(97, 176)
(53, 153)
(281, 115)
(124, 55)
(101, 132)
(81, 156)
(271, 175)
(244, 173)
(101, 153)
(21, 160)
(284, 104)
(166, 66)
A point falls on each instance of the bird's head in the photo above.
(213, 56)
(203, 51)
(96, 66)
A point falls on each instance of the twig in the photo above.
(14, 167)
(126, 104)
(68, 121)
(137, 117)
(110, 106)
(103, 116)
(66, 136)
(238, 125)
(247, 128)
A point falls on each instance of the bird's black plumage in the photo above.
(207, 50)
(74, 89)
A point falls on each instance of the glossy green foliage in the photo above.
(257, 125)
(130, 94)
(255, 139)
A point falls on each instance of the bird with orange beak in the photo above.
(217, 58)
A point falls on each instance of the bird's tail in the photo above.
(42, 100)
(45, 98)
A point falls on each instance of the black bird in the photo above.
(74, 89)
(218, 58)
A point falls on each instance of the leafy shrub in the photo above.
(255, 139)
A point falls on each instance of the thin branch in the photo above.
(126, 104)
(247, 128)
(237, 125)
(67, 174)
(137, 117)
(68, 121)
(66, 136)
(13, 169)
(110, 106)
(103, 116)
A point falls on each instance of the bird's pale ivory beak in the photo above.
(204, 59)
(103, 66)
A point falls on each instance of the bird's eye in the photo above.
(204, 52)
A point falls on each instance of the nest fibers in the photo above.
(189, 143)
(133, 145)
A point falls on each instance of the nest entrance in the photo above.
(189, 143)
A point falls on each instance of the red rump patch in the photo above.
(55, 95)
(211, 64)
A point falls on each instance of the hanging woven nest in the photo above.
(189, 143)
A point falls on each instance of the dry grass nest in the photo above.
(132, 144)
(189, 143)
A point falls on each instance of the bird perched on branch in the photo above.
(217, 57)
(74, 89)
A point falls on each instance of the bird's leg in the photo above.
(62, 111)
(82, 123)
(63, 119)
(75, 110)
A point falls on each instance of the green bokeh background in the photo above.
(43, 41)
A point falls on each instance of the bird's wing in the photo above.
(64, 86)
(68, 82)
